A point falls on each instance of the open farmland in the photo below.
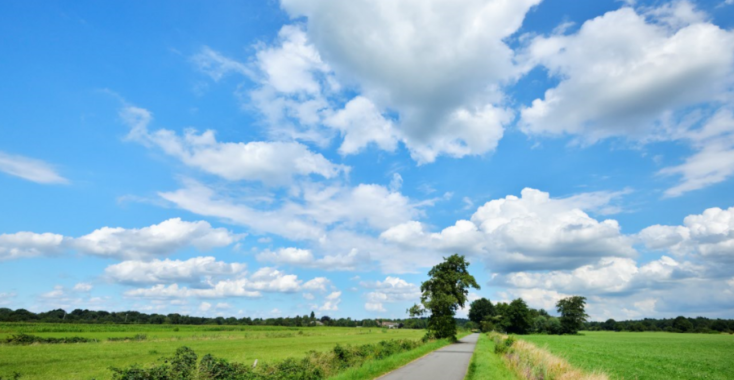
(235, 343)
(628, 355)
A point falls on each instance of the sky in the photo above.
(273, 158)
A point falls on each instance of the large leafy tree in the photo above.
(445, 292)
(480, 310)
(519, 318)
(573, 313)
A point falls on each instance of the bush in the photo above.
(137, 338)
(503, 346)
(315, 366)
(25, 339)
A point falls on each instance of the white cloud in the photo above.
(305, 259)
(168, 271)
(709, 236)
(533, 231)
(82, 287)
(621, 75)
(216, 65)
(273, 163)
(317, 284)
(205, 306)
(375, 307)
(58, 292)
(29, 244)
(269, 280)
(321, 207)
(157, 240)
(713, 162)
(332, 302)
(361, 123)
(30, 169)
(392, 289)
(439, 75)
(609, 275)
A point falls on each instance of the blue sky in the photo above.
(274, 158)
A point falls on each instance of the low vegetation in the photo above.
(33, 339)
(184, 364)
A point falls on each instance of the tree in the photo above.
(609, 325)
(682, 324)
(519, 318)
(480, 309)
(573, 313)
(443, 294)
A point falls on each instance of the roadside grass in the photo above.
(244, 345)
(375, 368)
(646, 355)
(486, 365)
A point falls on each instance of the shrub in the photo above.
(315, 366)
(25, 339)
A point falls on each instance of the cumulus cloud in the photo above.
(621, 73)
(708, 236)
(440, 76)
(29, 244)
(392, 289)
(332, 302)
(148, 242)
(609, 276)
(264, 280)
(273, 163)
(361, 123)
(652, 74)
(305, 259)
(319, 208)
(169, 271)
(30, 169)
(533, 231)
(157, 240)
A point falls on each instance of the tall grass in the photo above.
(532, 363)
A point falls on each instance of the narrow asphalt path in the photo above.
(448, 363)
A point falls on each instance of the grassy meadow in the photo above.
(650, 355)
(235, 343)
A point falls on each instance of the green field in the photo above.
(632, 355)
(235, 343)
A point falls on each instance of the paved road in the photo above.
(448, 363)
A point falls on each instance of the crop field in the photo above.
(651, 355)
(235, 343)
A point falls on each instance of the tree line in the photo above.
(517, 317)
(679, 324)
(136, 317)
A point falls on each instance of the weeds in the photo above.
(136, 338)
(315, 366)
(26, 339)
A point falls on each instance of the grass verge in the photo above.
(486, 365)
(375, 368)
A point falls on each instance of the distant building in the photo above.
(318, 323)
(390, 325)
